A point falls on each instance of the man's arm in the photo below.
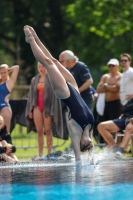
(104, 87)
(128, 106)
(85, 77)
(114, 87)
(86, 85)
(14, 70)
(111, 88)
(100, 87)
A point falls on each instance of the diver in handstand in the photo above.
(66, 89)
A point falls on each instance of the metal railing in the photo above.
(22, 140)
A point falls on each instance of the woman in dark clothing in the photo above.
(6, 147)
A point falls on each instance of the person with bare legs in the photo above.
(43, 109)
(66, 89)
(35, 111)
(6, 85)
(124, 122)
(109, 86)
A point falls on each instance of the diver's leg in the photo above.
(65, 73)
(58, 82)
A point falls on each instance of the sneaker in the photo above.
(119, 152)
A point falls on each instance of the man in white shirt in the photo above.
(126, 83)
(125, 121)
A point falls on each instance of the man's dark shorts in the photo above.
(121, 123)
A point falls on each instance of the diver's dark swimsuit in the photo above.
(3, 93)
(78, 108)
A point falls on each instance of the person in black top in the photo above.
(124, 122)
(66, 89)
(81, 73)
(6, 147)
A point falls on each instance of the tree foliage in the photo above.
(95, 30)
(106, 26)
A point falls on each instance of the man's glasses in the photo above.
(124, 60)
(111, 66)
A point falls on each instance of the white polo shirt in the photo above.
(126, 85)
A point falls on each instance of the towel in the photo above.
(100, 105)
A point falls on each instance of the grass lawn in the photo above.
(27, 143)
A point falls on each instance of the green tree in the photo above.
(45, 17)
(94, 30)
(103, 29)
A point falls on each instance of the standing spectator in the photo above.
(126, 120)
(42, 109)
(81, 74)
(110, 86)
(6, 85)
(126, 83)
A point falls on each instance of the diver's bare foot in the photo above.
(28, 35)
(33, 32)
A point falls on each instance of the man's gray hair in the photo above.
(69, 55)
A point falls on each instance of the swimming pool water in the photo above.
(67, 192)
(112, 180)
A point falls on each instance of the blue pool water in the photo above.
(106, 180)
